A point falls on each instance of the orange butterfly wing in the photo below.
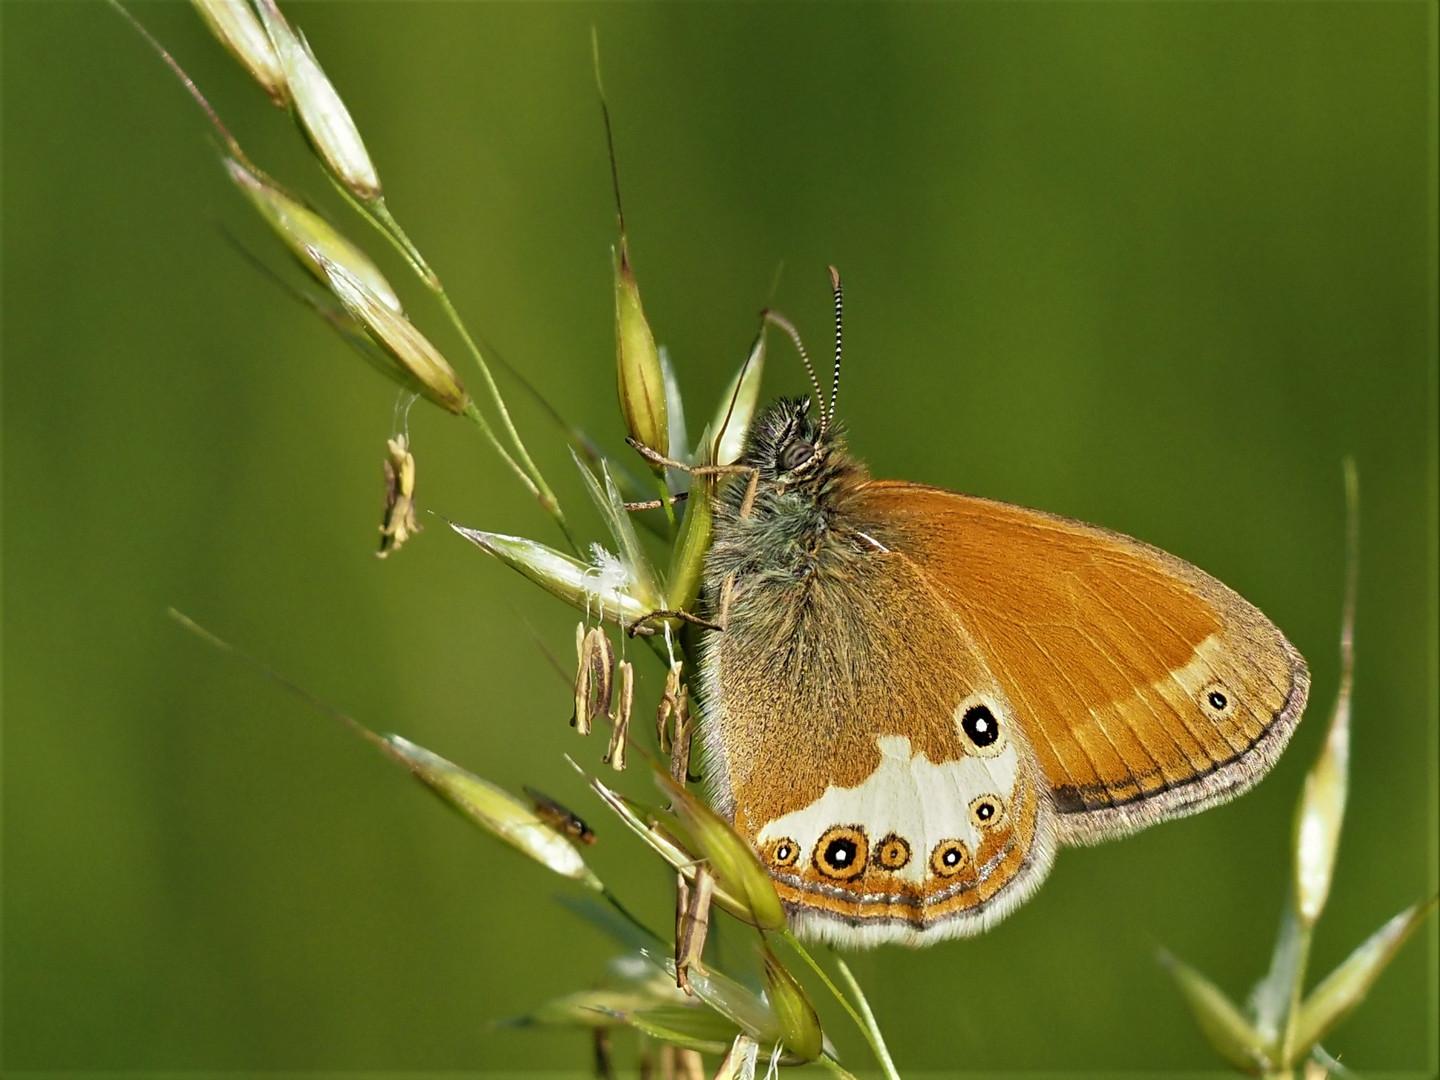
(1146, 688)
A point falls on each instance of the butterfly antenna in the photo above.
(789, 328)
(835, 376)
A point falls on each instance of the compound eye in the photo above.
(794, 455)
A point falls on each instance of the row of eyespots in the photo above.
(843, 852)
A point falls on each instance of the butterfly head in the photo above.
(787, 445)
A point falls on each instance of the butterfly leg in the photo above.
(727, 588)
(638, 627)
(655, 504)
(654, 457)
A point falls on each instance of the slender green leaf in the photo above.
(1345, 987)
(494, 809)
(1221, 1021)
(692, 1028)
(736, 409)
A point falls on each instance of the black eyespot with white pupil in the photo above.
(980, 725)
(987, 811)
(784, 852)
(794, 455)
(841, 853)
(893, 852)
(950, 857)
(1218, 700)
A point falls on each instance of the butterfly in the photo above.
(915, 696)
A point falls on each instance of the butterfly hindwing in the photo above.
(859, 741)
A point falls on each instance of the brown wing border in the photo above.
(1232, 779)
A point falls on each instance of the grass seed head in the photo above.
(494, 809)
(641, 379)
(311, 238)
(420, 363)
(234, 24)
(730, 856)
(596, 589)
(322, 113)
(799, 1024)
(1228, 1030)
(737, 407)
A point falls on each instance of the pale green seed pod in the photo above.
(737, 408)
(322, 114)
(687, 561)
(686, 1027)
(311, 238)
(736, 866)
(600, 591)
(234, 24)
(1320, 815)
(641, 379)
(1321, 811)
(733, 1000)
(494, 809)
(1223, 1024)
(798, 1022)
(633, 561)
(1345, 987)
(418, 359)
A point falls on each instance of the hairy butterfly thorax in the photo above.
(793, 521)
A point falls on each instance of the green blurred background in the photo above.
(1154, 266)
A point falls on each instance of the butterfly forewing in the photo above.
(1145, 687)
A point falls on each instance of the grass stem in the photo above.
(864, 1019)
(378, 214)
(877, 1040)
